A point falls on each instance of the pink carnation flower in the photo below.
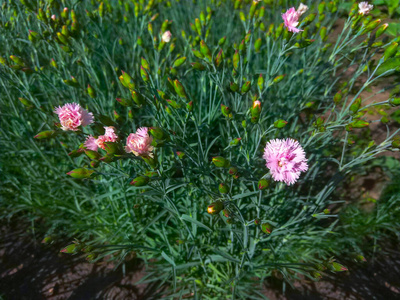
(109, 136)
(291, 19)
(139, 143)
(285, 160)
(72, 115)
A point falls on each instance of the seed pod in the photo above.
(140, 181)
(263, 184)
(80, 173)
(280, 123)
(221, 162)
(44, 134)
(223, 188)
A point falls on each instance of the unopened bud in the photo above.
(263, 184)
(221, 162)
(266, 228)
(215, 207)
(223, 188)
(280, 123)
(140, 181)
(80, 173)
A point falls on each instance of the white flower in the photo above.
(364, 8)
(302, 9)
(166, 37)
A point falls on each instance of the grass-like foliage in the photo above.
(212, 82)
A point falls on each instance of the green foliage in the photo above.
(230, 79)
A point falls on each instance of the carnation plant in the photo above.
(208, 138)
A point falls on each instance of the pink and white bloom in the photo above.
(139, 143)
(72, 115)
(166, 37)
(285, 159)
(109, 136)
(364, 8)
(302, 9)
(291, 19)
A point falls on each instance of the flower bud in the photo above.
(17, 60)
(390, 51)
(215, 207)
(381, 30)
(396, 142)
(45, 134)
(260, 82)
(179, 62)
(257, 45)
(140, 181)
(138, 98)
(179, 89)
(337, 98)
(189, 106)
(236, 60)
(235, 141)
(263, 184)
(280, 123)
(145, 64)
(336, 267)
(266, 228)
(158, 133)
(359, 124)
(222, 41)
(70, 249)
(205, 50)
(80, 173)
(223, 188)
(124, 102)
(221, 162)
(92, 154)
(233, 171)
(143, 73)
(256, 109)
(355, 106)
(127, 81)
(197, 54)
(198, 26)
(371, 26)
(91, 91)
(180, 154)
(226, 111)
(94, 163)
(234, 87)
(307, 20)
(279, 78)
(246, 87)
(219, 58)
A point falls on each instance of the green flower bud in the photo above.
(198, 26)
(381, 30)
(236, 60)
(158, 133)
(17, 60)
(219, 58)
(337, 98)
(223, 188)
(359, 124)
(124, 102)
(215, 207)
(91, 91)
(308, 20)
(92, 154)
(266, 228)
(144, 74)
(260, 82)
(257, 45)
(235, 141)
(45, 134)
(233, 171)
(263, 184)
(280, 123)
(127, 81)
(140, 181)
(246, 87)
(390, 51)
(70, 249)
(226, 111)
(396, 142)
(179, 62)
(205, 50)
(198, 66)
(221, 162)
(80, 173)
(234, 87)
(138, 98)
(179, 89)
(145, 64)
(189, 106)
(279, 78)
(197, 54)
(222, 41)
(355, 106)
